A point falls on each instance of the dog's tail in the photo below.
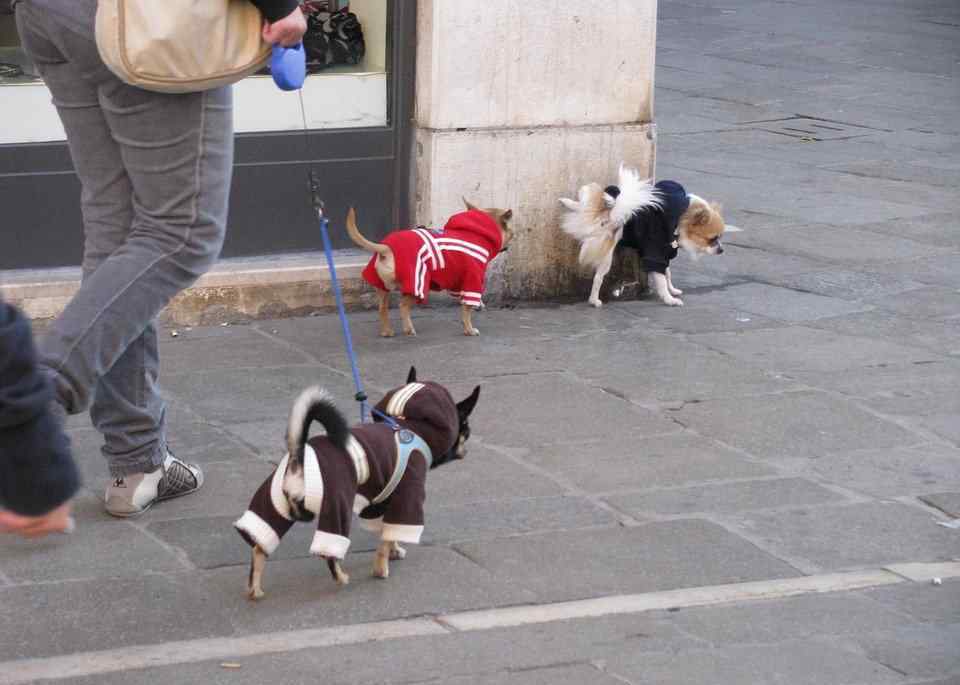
(358, 238)
(634, 195)
(314, 404)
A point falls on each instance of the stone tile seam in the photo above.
(734, 525)
(216, 426)
(176, 552)
(19, 672)
(286, 344)
(917, 502)
(706, 482)
(498, 536)
(906, 423)
(778, 250)
(601, 665)
(622, 518)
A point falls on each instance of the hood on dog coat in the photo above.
(454, 259)
(339, 484)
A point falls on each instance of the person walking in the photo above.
(155, 172)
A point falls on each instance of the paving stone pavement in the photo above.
(800, 415)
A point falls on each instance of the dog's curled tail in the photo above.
(358, 238)
(315, 404)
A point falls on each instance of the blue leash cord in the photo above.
(288, 67)
(361, 396)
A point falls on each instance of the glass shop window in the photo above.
(346, 87)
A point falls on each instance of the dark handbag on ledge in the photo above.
(332, 37)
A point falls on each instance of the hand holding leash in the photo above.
(288, 63)
(286, 32)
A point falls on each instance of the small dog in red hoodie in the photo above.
(419, 260)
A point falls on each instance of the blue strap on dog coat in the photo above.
(408, 442)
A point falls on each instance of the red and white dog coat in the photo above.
(453, 259)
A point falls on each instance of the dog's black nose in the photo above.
(720, 249)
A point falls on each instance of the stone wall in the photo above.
(519, 104)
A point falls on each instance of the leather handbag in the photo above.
(180, 46)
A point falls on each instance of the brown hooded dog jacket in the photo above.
(339, 483)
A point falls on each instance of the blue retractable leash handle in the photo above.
(288, 66)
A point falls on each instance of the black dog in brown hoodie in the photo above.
(376, 470)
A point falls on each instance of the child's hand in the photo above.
(56, 521)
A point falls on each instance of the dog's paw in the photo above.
(387, 333)
(676, 292)
(673, 302)
(254, 594)
(471, 331)
(595, 302)
(412, 332)
(397, 552)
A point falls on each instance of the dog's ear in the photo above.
(468, 204)
(506, 216)
(412, 375)
(465, 407)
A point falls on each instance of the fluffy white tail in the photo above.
(635, 194)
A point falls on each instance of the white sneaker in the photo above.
(134, 494)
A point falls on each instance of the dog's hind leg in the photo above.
(673, 291)
(406, 308)
(258, 561)
(381, 562)
(602, 269)
(386, 330)
(637, 280)
(466, 316)
(336, 570)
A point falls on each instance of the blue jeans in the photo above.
(155, 172)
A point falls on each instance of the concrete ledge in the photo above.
(236, 289)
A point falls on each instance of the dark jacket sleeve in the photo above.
(274, 10)
(37, 473)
